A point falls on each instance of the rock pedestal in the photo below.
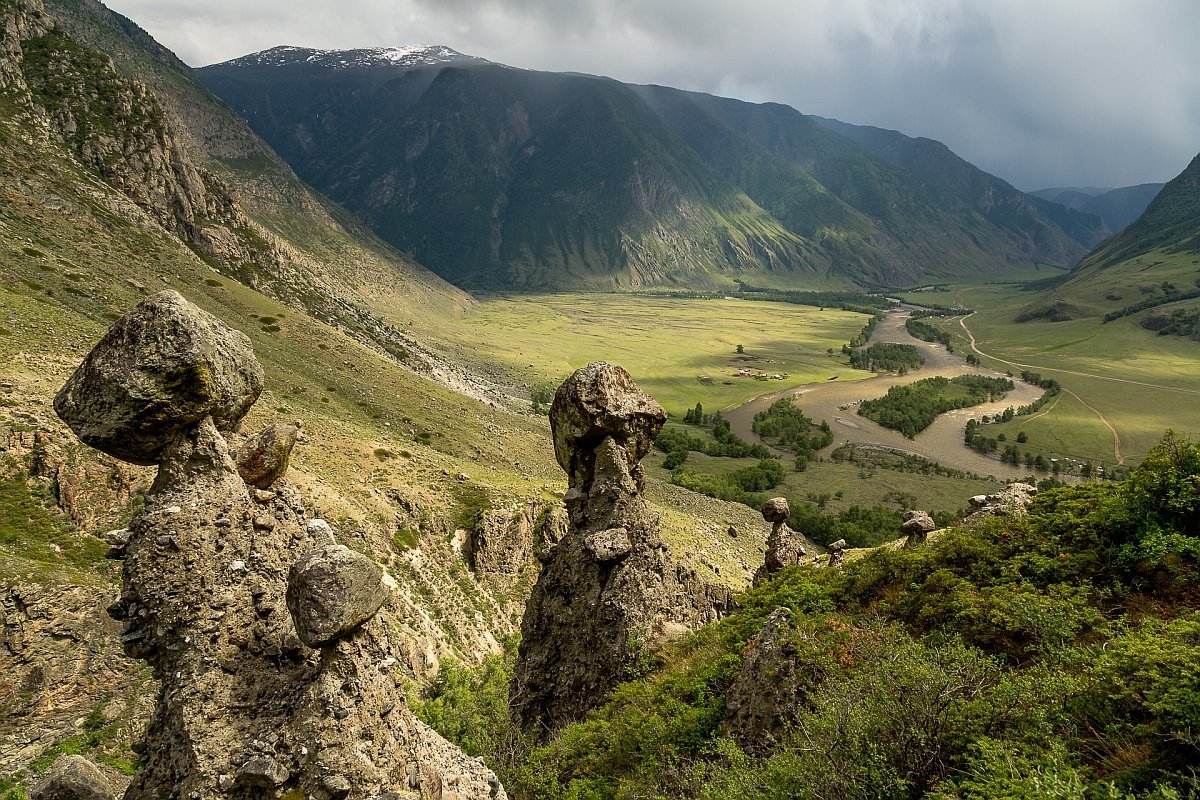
(609, 585)
(784, 547)
(247, 707)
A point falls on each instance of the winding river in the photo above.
(942, 441)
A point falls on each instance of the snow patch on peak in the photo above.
(407, 56)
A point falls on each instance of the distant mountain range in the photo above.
(1117, 207)
(1150, 270)
(502, 178)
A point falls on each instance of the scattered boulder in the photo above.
(263, 458)
(73, 778)
(331, 591)
(916, 526)
(159, 371)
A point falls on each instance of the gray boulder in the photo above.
(598, 401)
(609, 544)
(776, 510)
(158, 371)
(331, 592)
(73, 778)
(263, 458)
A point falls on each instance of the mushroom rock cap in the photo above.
(158, 371)
(776, 510)
(602, 400)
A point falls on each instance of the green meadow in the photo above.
(1124, 385)
(680, 351)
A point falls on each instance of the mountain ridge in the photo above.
(410, 156)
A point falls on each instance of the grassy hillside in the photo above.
(1046, 655)
(1155, 261)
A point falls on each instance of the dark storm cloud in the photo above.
(1095, 92)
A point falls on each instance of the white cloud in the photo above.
(1041, 92)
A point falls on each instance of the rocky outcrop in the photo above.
(916, 525)
(768, 689)
(784, 547)
(246, 708)
(1012, 499)
(609, 586)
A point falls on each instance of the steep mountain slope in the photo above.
(517, 179)
(101, 204)
(1154, 263)
(313, 254)
(956, 184)
(1117, 207)
(503, 178)
(901, 218)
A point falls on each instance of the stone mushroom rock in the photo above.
(837, 553)
(599, 401)
(609, 583)
(784, 547)
(244, 709)
(263, 458)
(916, 525)
(73, 778)
(158, 371)
(332, 591)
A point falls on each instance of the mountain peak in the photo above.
(413, 55)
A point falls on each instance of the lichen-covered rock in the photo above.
(331, 592)
(73, 778)
(159, 371)
(767, 691)
(263, 458)
(608, 586)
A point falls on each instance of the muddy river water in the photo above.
(837, 402)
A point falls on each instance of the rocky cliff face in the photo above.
(610, 585)
(276, 653)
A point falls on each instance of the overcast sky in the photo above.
(1039, 92)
